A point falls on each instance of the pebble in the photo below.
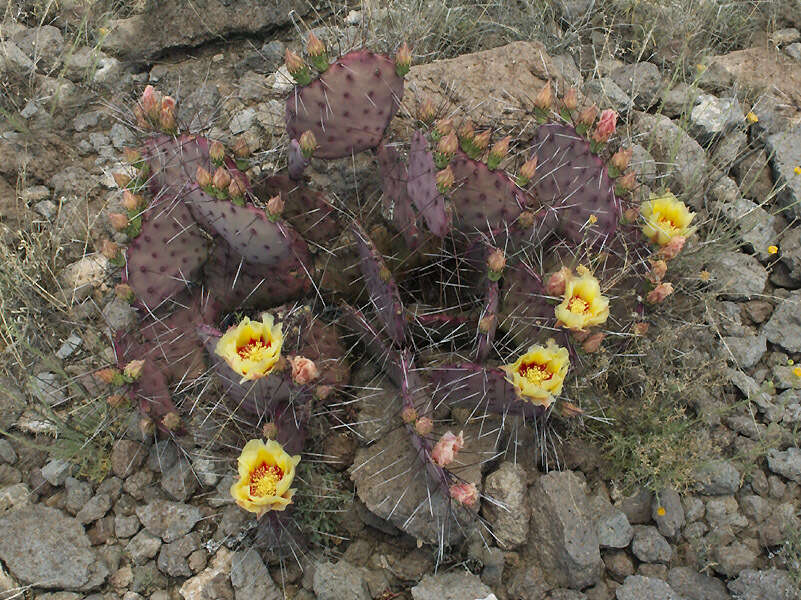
(56, 471)
(649, 546)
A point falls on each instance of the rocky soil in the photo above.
(161, 524)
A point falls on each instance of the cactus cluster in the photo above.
(268, 293)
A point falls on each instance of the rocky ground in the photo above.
(155, 521)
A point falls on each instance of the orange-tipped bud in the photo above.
(555, 286)
(203, 177)
(236, 188)
(498, 152)
(659, 293)
(403, 60)
(569, 410)
(124, 292)
(275, 206)
(321, 392)
(151, 102)
(409, 415)
(314, 46)
(241, 149)
(448, 145)
(294, 63)
(133, 370)
(444, 126)
(544, 98)
(640, 328)
(269, 431)
(427, 111)
(118, 221)
(217, 152)
(496, 261)
(487, 323)
(527, 172)
(671, 250)
(630, 215)
(107, 375)
(466, 131)
(131, 201)
(221, 178)
(308, 144)
(464, 493)
(304, 371)
(627, 182)
(526, 219)
(607, 126)
(167, 116)
(122, 179)
(109, 249)
(620, 159)
(571, 99)
(141, 118)
(146, 426)
(116, 400)
(445, 180)
(131, 155)
(423, 426)
(658, 271)
(587, 116)
(593, 342)
(171, 421)
(481, 140)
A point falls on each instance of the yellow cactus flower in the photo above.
(583, 305)
(773, 249)
(751, 117)
(252, 348)
(797, 170)
(665, 218)
(538, 375)
(797, 371)
(265, 474)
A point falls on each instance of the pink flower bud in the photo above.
(640, 328)
(627, 182)
(321, 392)
(121, 179)
(593, 342)
(294, 63)
(544, 98)
(151, 102)
(606, 126)
(403, 60)
(167, 119)
(304, 370)
(133, 369)
(501, 147)
(464, 493)
(427, 111)
(445, 449)
(275, 206)
(448, 144)
(221, 178)
(119, 221)
(236, 189)
(308, 144)
(171, 421)
(481, 140)
(571, 99)
(671, 250)
(587, 116)
(527, 171)
(130, 201)
(445, 179)
(217, 152)
(466, 131)
(555, 285)
(496, 260)
(241, 149)
(269, 431)
(409, 415)
(314, 46)
(658, 270)
(203, 177)
(620, 159)
(423, 426)
(444, 126)
(659, 293)
(131, 155)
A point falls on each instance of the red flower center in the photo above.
(264, 480)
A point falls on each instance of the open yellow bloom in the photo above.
(583, 305)
(665, 218)
(539, 374)
(252, 348)
(265, 474)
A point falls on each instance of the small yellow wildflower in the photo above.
(538, 375)
(700, 67)
(583, 305)
(661, 511)
(265, 474)
(773, 249)
(705, 275)
(665, 217)
(252, 348)
(751, 117)
(592, 219)
(790, 362)
(797, 170)
(797, 371)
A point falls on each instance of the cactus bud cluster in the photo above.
(297, 68)
(315, 48)
(156, 112)
(403, 60)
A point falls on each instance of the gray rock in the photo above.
(750, 388)
(45, 387)
(7, 453)
(649, 546)
(163, 455)
(172, 558)
(507, 511)
(125, 527)
(265, 60)
(168, 520)
(126, 457)
(637, 507)
(723, 512)
(43, 547)
(455, 585)
(13, 60)
(562, 533)
(668, 512)
(14, 496)
(135, 38)
(640, 81)
(78, 494)
(714, 117)
(242, 120)
(730, 560)
(790, 245)
(696, 586)
(56, 471)
(746, 351)
(43, 45)
(786, 463)
(213, 582)
(788, 35)
(679, 99)
(605, 92)
(755, 507)
(637, 587)
(738, 276)
(611, 525)
(179, 481)
(569, 70)
(784, 150)
(251, 579)
(121, 136)
(94, 509)
(680, 157)
(82, 276)
(70, 345)
(340, 581)
(761, 585)
(142, 547)
(793, 51)
(755, 226)
(199, 109)
(46, 208)
(784, 326)
(206, 471)
(718, 478)
(119, 315)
